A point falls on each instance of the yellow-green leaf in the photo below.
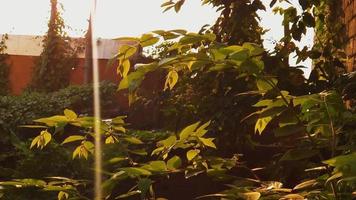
(35, 141)
(208, 142)
(119, 128)
(63, 195)
(76, 152)
(71, 115)
(110, 140)
(171, 80)
(174, 163)
(46, 137)
(251, 195)
(148, 40)
(261, 124)
(202, 129)
(293, 196)
(52, 121)
(266, 84)
(124, 68)
(133, 140)
(126, 51)
(89, 146)
(73, 138)
(187, 131)
(191, 154)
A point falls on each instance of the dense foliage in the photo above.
(4, 67)
(53, 67)
(17, 161)
(241, 122)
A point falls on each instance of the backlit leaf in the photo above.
(133, 140)
(73, 138)
(174, 163)
(187, 131)
(148, 40)
(208, 142)
(71, 115)
(261, 124)
(191, 154)
(171, 79)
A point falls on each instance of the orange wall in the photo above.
(22, 67)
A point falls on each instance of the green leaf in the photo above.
(187, 131)
(110, 140)
(346, 164)
(148, 40)
(171, 79)
(293, 196)
(266, 85)
(251, 195)
(135, 171)
(306, 184)
(157, 151)
(263, 103)
(201, 131)
(89, 146)
(126, 51)
(174, 163)
(254, 49)
(63, 195)
(133, 140)
(52, 121)
(128, 194)
(46, 136)
(261, 124)
(35, 141)
(140, 152)
(124, 68)
(71, 115)
(73, 138)
(158, 166)
(117, 159)
(208, 142)
(239, 56)
(191, 38)
(191, 154)
(171, 140)
(144, 185)
(76, 152)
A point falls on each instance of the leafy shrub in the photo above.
(16, 159)
(4, 67)
(19, 110)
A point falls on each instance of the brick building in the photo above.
(24, 49)
(349, 7)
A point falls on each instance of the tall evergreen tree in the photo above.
(52, 69)
(4, 67)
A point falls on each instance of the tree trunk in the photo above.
(88, 65)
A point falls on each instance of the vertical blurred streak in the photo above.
(97, 113)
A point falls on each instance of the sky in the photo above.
(118, 18)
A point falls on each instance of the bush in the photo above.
(17, 110)
(16, 158)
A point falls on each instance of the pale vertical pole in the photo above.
(97, 114)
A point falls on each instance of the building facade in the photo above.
(23, 50)
(349, 7)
